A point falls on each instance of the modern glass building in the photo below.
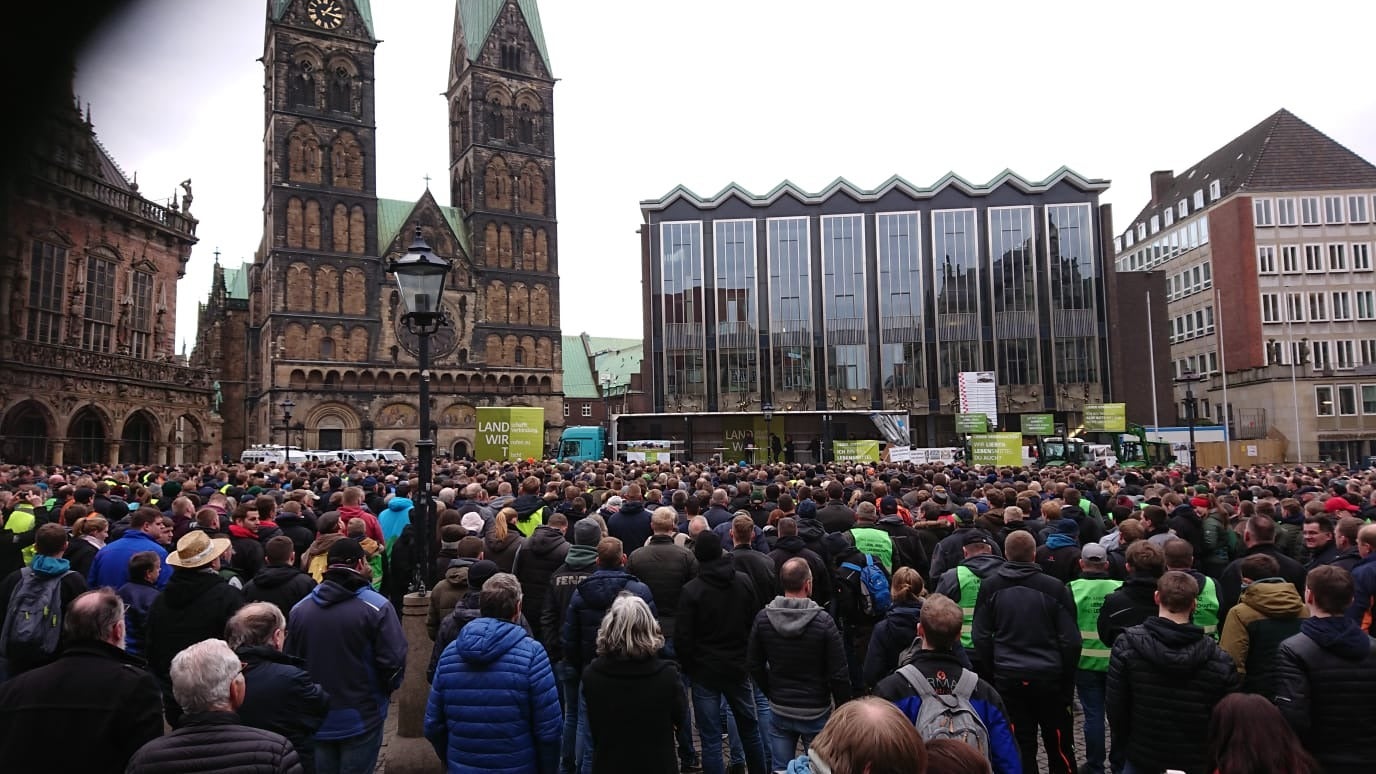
(852, 300)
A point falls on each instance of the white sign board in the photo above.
(945, 455)
(1251, 450)
(979, 395)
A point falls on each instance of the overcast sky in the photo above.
(652, 94)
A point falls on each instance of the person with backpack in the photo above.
(961, 583)
(35, 598)
(863, 598)
(944, 700)
(1025, 630)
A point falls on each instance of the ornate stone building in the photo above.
(322, 327)
(88, 296)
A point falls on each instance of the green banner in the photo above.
(998, 449)
(970, 424)
(1106, 417)
(743, 438)
(507, 434)
(1038, 424)
(855, 451)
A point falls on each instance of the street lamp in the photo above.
(1188, 377)
(287, 405)
(768, 410)
(420, 278)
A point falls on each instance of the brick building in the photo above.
(322, 326)
(1266, 248)
(88, 296)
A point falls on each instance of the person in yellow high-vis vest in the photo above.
(1180, 556)
(1091, 678)
(961, 583)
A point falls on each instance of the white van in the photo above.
(322, 455)
(271, 454)
(388, 455)
(357, 455)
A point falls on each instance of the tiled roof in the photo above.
(365, 11)
(109, 170)
(479, 16)
(1282, 153)
(586, 358)
(840, 184)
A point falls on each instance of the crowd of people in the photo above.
(680, 617)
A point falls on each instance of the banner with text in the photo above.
(855, 451)
(1038, 424)
(998, 449)
(970, 424)
(979, 393)
(743, 438)
(1106, 417)
(506, 434)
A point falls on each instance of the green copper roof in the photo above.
(479, 16)
(365, 11)
(951, 179)
(236, 282)
(586, 358)
(392, 214)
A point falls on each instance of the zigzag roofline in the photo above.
(842, 185)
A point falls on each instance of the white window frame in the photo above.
(1155, 223)
(1361, 397)
(1350, 389)
(1263, 216)
(1333, 211)
(1287, 212)
(1317, 306)
(1368, 350)
(1320, 356)
(1357, 211)
(1141, 232)
(1308, 218)
(587, 409)
(1182, 209)
(1314, 258)
(1270, 308)
(1337, 257)
(1294, 307)
(1292, 266)
(1319, 409)
(1215, 190)
(1361, 256)
(1169, 215)
(1365, 303)
(1341, 306)
(1345, 356)
(1266, 259)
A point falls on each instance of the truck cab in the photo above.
(583, 444)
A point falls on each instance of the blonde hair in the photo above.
(906, 585)
(501, 526)
(629, 631)
(90, 525)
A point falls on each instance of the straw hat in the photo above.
(197, 549)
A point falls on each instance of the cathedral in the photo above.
(306, 342)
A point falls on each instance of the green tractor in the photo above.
(1054, 451)
(1135, 451)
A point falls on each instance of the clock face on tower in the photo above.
(325, 14)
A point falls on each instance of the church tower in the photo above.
(501, 105)
(317, 264)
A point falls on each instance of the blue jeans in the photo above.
(707, 711)
(584, 744)
(785, 733)
(1091, 687)
(569, 680)
(683, 724)
(355, 755)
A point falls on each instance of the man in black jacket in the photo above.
(753, 563)
(1325, 677)
(94, 687)
(796, 658)
(1345, 536)
(279, 582)
(1260, 537)
(212, 732)
(1318, 540)
(536, 560)
(1134, 601)
(279, 695)
(951, 550)
(790, 545)
(711, 634)
(1187, 522)
(1025, 629)
(1164, 678)
(836, 516)
(579, 563)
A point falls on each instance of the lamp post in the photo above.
(1189, 377)
(768, 410)
(286, 405)
(420, 278)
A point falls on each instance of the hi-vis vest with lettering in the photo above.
(1089, 595)
(969, 592)
(1206, 608)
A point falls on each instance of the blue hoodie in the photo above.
(493, 706)
(395, 518)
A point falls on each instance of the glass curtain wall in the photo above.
(899, 236)
(790, 304)
(1013, 294)
(1073, 273)
(843, 301)
(681, 269)
(955, 258)
(738, 367)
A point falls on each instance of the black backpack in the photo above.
(33, 625)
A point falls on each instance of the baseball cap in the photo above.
(888, 505)
(614, 501)
(1093, 552)
(1334, 504)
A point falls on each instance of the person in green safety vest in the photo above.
(1091, 678)
(1180, 556)
(871, 540)
(961, 583)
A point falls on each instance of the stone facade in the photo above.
(88, 294)
(322, 324)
